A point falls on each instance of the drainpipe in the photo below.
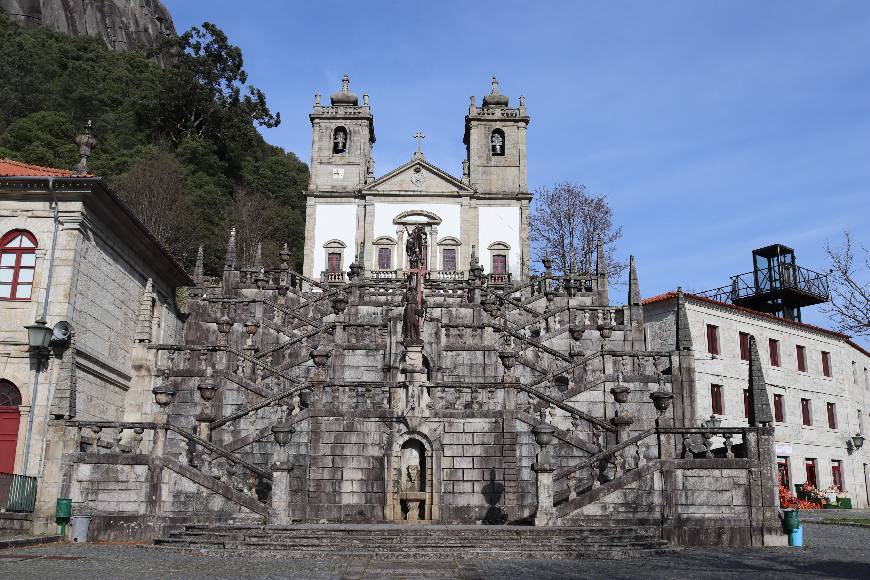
(35, 386)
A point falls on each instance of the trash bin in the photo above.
(791, 520)
(796, 537)
(80, 528)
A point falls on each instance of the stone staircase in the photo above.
(418, 542)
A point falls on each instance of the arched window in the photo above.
(17, 264)
(497, 142)
(339, 140)
(10, 396)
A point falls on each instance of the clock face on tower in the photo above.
(337, 172)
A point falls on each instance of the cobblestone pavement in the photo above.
(832, 552)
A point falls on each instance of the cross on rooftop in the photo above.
(419, 136)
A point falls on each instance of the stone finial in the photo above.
(684, 334)
(316, 99)
(86, 143)
(199, 268)
(633, 286)
(759, 404)
(345, 83)
(494, 85)
(600, 266)
(144, 319)
(258, 257)
(365, 99)
(230, 260)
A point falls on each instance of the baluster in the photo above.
(119, 434)
(136, 441)
(687, 443)
(729, 453)
(95, 430)
(708, 445)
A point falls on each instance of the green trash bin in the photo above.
(792, 521)
(62, 514)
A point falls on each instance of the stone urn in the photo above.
(661, 400)
(488, 304)
(620, 393)
(576, 331)
(320, 357)
(606, 330)
(207, 389)
(339, 303)
(508, 359)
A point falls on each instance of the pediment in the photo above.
(418, 177)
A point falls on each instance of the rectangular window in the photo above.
(782, 468)
(837, 474)
(448, 259)
(333, 262)
(811, 473)
(826, 363)
(712, 339)
(832, 416)
(716, 397)
(801, 353)
(385, 258)
(499, 264)
(779, 408)
(806, 412)
(746, 403)
(744, 346)
(773, 346)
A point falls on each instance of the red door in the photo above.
(10, 398)
(8, 438)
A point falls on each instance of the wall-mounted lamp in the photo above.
(857, 441)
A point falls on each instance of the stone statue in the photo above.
(412, 480)
(412, 316)
(414, 247)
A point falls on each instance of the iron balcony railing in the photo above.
(764, 281)
(17, 493)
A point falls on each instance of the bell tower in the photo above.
(495, 142)
(341, 143)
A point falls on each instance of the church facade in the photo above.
(351, 213)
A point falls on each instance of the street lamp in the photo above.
(857, 441)
(39, 336)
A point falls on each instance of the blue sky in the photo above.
(714, 127)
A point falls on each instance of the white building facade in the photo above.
(818, 382)
(351, 215)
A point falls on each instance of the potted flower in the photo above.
(844, 501)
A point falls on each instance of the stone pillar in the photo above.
(433, 249)
(280, 497)
(622, 424)
(400, 248)
(544, 469)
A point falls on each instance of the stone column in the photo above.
(400, 249)
(280, 497)
(544, 469)
(433, 249)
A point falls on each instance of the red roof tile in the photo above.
(673, 295)
(9, 168)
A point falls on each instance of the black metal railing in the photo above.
(764, 281)
(17, 493)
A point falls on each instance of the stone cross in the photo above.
(419, 136)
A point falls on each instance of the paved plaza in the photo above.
(832, 551)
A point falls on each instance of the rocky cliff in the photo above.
(123, 24)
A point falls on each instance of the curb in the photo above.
(29, 541)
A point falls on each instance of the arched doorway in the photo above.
(10, 400)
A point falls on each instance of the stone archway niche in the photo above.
(413, 481)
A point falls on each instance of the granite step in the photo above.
(421, 542)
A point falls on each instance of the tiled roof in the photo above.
(673, 295)
(9, 168)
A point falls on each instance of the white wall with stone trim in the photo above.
(499, 224)
(333, 221)
(848, 390)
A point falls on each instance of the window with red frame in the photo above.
(333, 262)
(744, 346)
(499, 264)
(832, 416)
(801, 353)
(773, 346)
(17, 264)
(779, 408)
(837, 474)
(806, 412)
(712, 339)
(385, 258)
(826, 363)
(717, 400)
(746, 402)
(811, 472)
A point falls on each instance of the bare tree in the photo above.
(566, 222)
(849, 285)
(253, 216)
(154, 190)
